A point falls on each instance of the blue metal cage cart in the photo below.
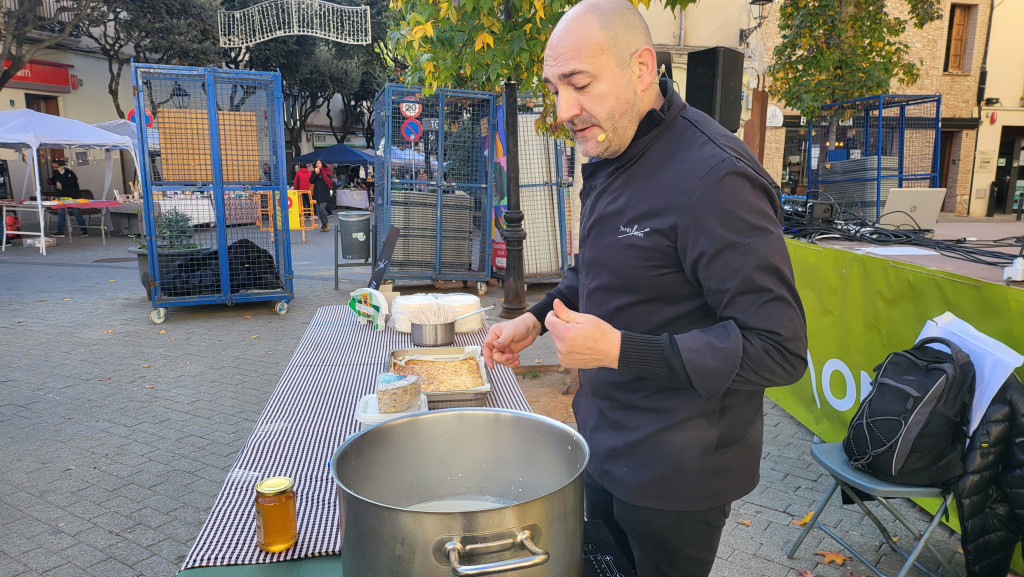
(214, 190)
(433, 175)
(859, 149)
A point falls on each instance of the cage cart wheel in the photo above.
(281, 307)
(481, 288)
(158, 315)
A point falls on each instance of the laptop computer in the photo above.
(912, 208)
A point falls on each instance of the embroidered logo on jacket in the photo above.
(632, 231)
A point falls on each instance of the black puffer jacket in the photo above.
(990, 493)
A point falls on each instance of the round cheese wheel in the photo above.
(460, 304)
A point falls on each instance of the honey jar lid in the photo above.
(274, 486)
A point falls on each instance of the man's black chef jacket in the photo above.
(681, 248)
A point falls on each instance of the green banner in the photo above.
(859, 309)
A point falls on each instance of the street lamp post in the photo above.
(514, 303)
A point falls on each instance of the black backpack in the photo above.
(911, 429)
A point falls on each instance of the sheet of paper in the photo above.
(896, 250)
(993, 361)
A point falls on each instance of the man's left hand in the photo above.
(583, 341)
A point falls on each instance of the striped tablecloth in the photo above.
(309, 415)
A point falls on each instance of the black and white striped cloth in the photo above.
(309, 415)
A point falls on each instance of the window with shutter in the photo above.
(957, 39)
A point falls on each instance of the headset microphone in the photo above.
(604, 135)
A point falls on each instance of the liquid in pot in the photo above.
(460, 504)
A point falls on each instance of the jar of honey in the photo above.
(276, 521)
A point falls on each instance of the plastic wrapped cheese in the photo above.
(368, 415)
(460, 304)
(395, 393)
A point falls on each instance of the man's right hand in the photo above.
(505, 340)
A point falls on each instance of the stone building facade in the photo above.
(998, 179)
(929, 47)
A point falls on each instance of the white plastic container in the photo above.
(367, 415)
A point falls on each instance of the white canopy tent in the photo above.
(127, 128)
(28, 129)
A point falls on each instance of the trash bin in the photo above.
(354, 227)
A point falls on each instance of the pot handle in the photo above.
(454, 549)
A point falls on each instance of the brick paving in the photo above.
(116, 434)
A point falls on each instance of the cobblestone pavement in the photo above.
(116, 434)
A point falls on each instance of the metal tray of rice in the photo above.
(449, 376)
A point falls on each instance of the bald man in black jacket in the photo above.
(681, 306)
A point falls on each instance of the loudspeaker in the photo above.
(714, 84)
(664, 59)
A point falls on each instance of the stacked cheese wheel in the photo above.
(460, 304)
(454, 304)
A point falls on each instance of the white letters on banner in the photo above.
(849, 397)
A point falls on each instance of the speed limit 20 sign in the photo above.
(410, 107)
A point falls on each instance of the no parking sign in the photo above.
(133, 118)
(412, 129)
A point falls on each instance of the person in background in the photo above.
(301, 180)
(679, 310)
(266, 172)
(66, 182)
(331, 171)
(321, 185)
(369, 183)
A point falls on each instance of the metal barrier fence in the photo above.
(214, 191)
(433, 180)
(860, 149)
(546, 168)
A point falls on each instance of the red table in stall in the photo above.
(26, 205)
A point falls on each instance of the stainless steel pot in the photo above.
(439, 334)
(433, 335)
(464, 492)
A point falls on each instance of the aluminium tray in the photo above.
(475, 397)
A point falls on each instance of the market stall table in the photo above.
(31, 205)
(125, 218)
(309, 415)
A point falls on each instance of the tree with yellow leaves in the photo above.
(836, 50)
(476, 44)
